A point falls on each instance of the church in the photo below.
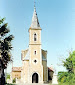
(34, 59)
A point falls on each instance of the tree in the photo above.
(70, 62)
(69, 76)
(5, 45)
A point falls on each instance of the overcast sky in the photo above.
(57, 20)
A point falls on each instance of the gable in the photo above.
(25, 55)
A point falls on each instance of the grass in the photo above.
(63, 84)
(66, 84)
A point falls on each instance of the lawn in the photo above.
(66, 84)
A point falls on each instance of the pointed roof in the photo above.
(35, 23)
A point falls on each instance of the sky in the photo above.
(57, 20)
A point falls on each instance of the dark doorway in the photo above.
(35, 78)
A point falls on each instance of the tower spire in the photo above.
(34, 3)
(35, 22)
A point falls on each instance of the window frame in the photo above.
(35, 37)
(35, 52)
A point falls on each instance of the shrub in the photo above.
(14, 80)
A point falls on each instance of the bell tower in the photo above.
(35, 38)
(34, 59)
(35, 48)
(35, 30)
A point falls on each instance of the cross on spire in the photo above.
(34, 3)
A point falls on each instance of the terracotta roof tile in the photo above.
(16, 68)
(50, 69)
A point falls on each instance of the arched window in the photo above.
(35, 37)
(35, 52)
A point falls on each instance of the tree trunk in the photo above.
(2, 76)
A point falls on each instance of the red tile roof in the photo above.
(50, 69)
(16, 68)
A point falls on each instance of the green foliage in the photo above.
(8, 76)
(1, 20)
(65, 84)
(62, 76)
(70, 62)
(5, 43)
(14, 80)
(68, 78)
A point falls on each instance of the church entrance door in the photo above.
(35, 78)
